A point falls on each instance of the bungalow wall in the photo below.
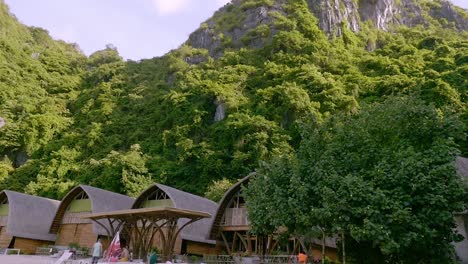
(28, 246)
(82, 234)
(73, 228)
(5, 239)
(197, 248)
(331, 253)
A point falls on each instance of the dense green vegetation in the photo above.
(361, 129)
(119, 125)
(38, 78)
(383, 178)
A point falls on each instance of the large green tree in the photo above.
(384, 177)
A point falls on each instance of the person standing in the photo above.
(153, 257)
(124, 253)
(302, 258)
(97, 251)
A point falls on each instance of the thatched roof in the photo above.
(462, 166)
(101, 201)
(197, 231)
(29, 216)
(224, 203)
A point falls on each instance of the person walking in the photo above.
(97, 251)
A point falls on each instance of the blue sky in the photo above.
(139, 28)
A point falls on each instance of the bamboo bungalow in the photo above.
(231, 228)
(230, 223)
(82, 200)
(193, 238)
(461, 219)
(25, 221)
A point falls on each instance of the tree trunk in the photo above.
(343, 248)
(323, 247)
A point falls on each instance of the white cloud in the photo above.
(169, 7)
(223, 2)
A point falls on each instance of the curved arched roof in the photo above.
(101, 201)
(29, 216)
(224, 203)
(197, 231)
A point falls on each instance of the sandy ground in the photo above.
(19, 259)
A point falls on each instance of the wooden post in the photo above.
(243, 241)
(249, 243)
(234, 240)
(343, 248)
(226, 243)
(323, 246)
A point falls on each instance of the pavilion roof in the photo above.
(158, 212)
(198, 231)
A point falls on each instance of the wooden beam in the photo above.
(242, 240)
(234, 240)
(235, 228)
(226, 243)
(275, 244)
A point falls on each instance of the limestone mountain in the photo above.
(254, 22)
(242, 90)
(38, 77)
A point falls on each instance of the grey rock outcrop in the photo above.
(21, 157)
(332, 15)
(220, 113)
(380, 12)
(447, 11)
(209, 37)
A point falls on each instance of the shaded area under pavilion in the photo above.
(141, 226)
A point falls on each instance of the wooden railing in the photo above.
(235, 217)
(218, 259)
(272, 259)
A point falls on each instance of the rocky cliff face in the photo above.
(230, 26)
(237, 24)
(333, 13)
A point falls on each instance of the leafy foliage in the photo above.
(217, 189)
(384, 177)
(75, 119)
(354, 135)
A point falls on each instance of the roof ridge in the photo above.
(84, 186)
(29, 195)
(191, 194)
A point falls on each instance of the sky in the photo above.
(138, 28)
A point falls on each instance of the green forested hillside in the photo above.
(38, 78)
(120, 125)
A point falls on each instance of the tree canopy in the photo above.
(384, 177)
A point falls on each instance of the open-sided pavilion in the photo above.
(141, 226)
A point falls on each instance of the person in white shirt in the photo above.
(97, 251)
